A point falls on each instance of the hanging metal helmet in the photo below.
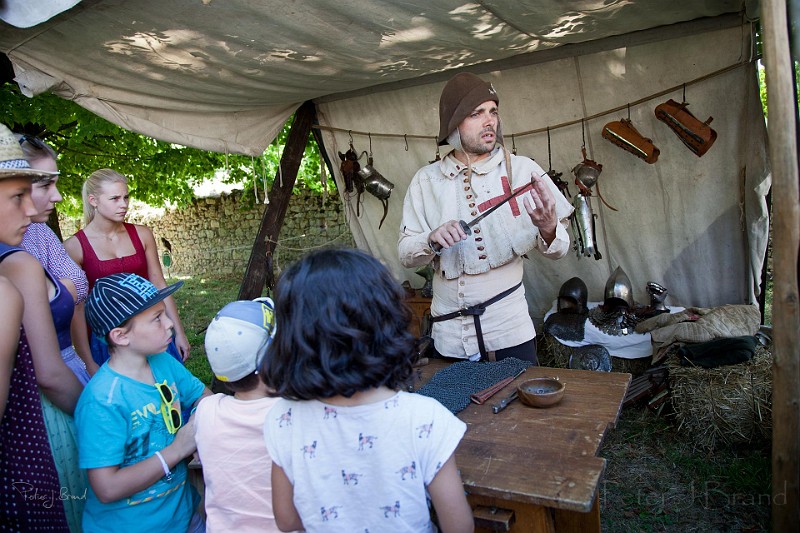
(619, 290)
(573, 296)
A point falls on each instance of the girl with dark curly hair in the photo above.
(351, 450)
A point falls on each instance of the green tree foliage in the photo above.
(158, 172)
(762, 72)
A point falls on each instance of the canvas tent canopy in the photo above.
(226, 75)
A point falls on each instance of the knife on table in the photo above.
(467, 226)
(504, 403)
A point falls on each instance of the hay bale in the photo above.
(723, 406)
(635, 367)
(553, 354)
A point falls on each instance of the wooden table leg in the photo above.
(528, 518)
(573, 521)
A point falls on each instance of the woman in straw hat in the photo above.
(71, 286)
(30, 491)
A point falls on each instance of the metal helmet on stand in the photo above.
(573, 297)
(618, 291)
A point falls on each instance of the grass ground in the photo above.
(198, 301)
(655, 478)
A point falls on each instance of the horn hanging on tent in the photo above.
(697, 136)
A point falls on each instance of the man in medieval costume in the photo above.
(479, 310)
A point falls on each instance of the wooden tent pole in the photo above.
(785, 245)
(259, 267)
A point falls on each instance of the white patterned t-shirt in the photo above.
(366, 467)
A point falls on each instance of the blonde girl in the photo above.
(109, 245)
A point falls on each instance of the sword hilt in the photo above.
(464, 226)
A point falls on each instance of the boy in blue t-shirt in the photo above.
(132, 437)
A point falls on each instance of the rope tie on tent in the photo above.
(264, 173)
(255, 185)
(323, 176)
(255, 177)
(264, 184)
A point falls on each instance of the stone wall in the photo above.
(213, 236)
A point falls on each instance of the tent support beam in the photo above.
(259, 267)
(785, 242)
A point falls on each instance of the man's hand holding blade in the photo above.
(446, 235)
(541, 207)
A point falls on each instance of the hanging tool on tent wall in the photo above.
(369, 179)
(365, 178)
(438, 156)
(623, 134)
(555, 176)
(349, 166)
(583, 219)
(697, 136)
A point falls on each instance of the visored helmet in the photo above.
(618, 291)
(658, 293)
(573, 297)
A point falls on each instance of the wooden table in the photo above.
(539, 464)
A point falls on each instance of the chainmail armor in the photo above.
(619, 322)
(566, 326)
(452, 385)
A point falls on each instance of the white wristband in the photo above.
(165, 466)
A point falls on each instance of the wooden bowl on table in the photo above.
(541, 392)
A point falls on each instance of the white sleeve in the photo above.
(277, 435)
(440, 439)
(412, 244)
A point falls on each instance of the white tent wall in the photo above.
(696, 225)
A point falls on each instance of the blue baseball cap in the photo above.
(119, 297)
(238, 337)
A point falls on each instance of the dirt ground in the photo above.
(656, 480)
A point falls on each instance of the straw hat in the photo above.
(12, 161)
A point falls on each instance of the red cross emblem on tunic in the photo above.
(515, 210)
